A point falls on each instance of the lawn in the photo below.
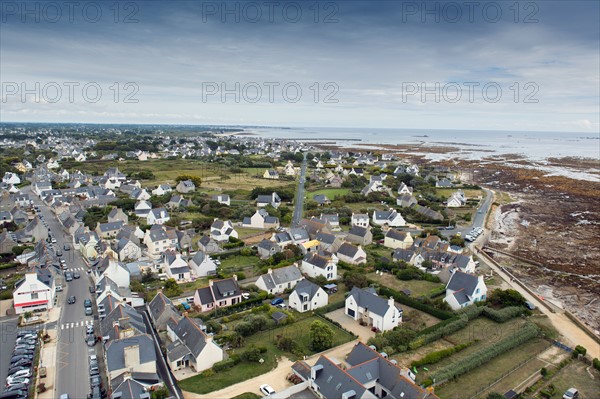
(238, 262)
(331, 193)
(245, 232)
(469, 193)
(244, 371)
(238, 373)
(469, 384)
(575, 375)
(417, 288)
(299, 331)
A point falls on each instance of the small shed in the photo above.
(330, 288)
(279, 317)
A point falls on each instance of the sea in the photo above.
(535, 147)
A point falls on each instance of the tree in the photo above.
(355, 279)
(160, 393)
(195, 179)
(172, 288)
(321, 336)
(504, 298)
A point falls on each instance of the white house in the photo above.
(307, 296)
(271, 174)
(142, 208)
(221, 230)
(364, 305)
(117, 272)
(127, 249)
(290, 170)
(457, 199)
(273, 199)
(351, 254)
(11, 178)
(278, 280)
(223, 199)
(389, 218)
(202, 265)
(314, 265)
(158, 216)
(360, 220)
(191, 347)
(261, 220)
(186, 186)
(35, 292)
(175, 266)
(157, 241)
(162, 189)
(464, 289)
(397, 239)
(404, 189)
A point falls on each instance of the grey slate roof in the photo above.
(358, 231)
(460, 280)
(396, 234)
(110, 226)
(115, 355)
(191, 335)
(127, 318)
(306, 287)
(130, 389)
(316, 260)
(348, 250)
(282, 275)
(326, 238)
(333, 382)
(370, 301)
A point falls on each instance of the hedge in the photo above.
(486, 354)
(331, 307)
(437, 356)
(413, 303)
(502, 315)
(225, 364)
(439, 332)
(596, 363)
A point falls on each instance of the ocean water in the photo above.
(535, 146)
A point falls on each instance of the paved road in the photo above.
(299, 200)
(72, 374)
(480, 216)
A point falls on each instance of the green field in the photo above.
(577, 375)
(331, 193)
(417, 288)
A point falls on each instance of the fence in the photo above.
(562, 346)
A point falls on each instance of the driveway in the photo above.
(363, 332)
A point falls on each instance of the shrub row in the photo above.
(413, 303)
(486, 354)
(331, 307)
(596, 363)
(502, 315)
(439, 332)
(434, 357)
(226, 364)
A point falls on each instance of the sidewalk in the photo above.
(48, 360)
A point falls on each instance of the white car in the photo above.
(267, 390)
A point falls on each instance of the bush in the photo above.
(207, 373)
(596, 363)
(502, 315)
(224, 364)
(435, 357)
(579, 350)
(544, 371)
(252, 354)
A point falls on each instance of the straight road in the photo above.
(480, 216)
(72, 367)
(299, 200)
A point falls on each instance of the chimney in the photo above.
(270, 271)
(211, 282)
(391, 301)
(315, 371)
(235, 277)
(132, 356)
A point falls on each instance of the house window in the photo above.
(222, 303)
(34, 295)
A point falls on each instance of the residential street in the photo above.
(72, 376)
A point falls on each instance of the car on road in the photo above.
(14, 394)
(90, 340)
(64, 396)
(53, 240)
(68, 276)
(71, 300)
(66, 247)
(276, 301)
(88, 311)
(571, 393)
(89, 329)
(92, 289)
(95, 381)
(76, 275)
(266, 390)
(59, 253)
(87, 302)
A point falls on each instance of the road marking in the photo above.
(72, 325)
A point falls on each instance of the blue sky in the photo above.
(388, 64)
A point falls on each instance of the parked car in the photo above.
(92, 289)
(59, 253)
(267, 390)
(68, 276)
(95, 381)
(14, 369)
(529, 305)
(87, 302)
(71, 299)
(22, 333)
(22, 394)
(17, 387)
(276, 301)
(19, 374)
(90, 340)
(89, 329)
(16, 381)
(571, 393)
(21, 362)
(58, 288)
(26, 347)
(66, 247)
(88, 311)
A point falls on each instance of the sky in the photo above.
(477, 65)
